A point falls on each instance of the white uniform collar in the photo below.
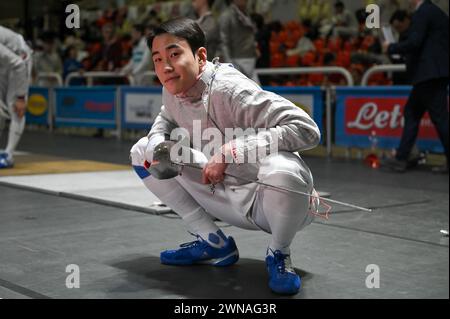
(196, 91)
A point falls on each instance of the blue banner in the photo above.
(310, 99)
(373, 116)
(86, 106)
(140, 106)
(38, 105)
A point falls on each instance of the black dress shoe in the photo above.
(440, 169)
(395, 165)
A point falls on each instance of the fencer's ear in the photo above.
(201, 56)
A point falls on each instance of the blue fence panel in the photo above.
(38, 105)
(86, 106)
(140, 106)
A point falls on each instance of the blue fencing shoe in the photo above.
(6, 161)
(200, 252)
(282, 277)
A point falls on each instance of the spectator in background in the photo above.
(47, 60)
(108, 55)
(426, 50)
(209, 25)
(304, 45)
(343, 24)
(237, 33)
(262, 36)
(72, 64)
(400, 22)
(140, 61)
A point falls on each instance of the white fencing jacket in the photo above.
(235, 101)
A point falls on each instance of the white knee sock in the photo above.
(16, 128)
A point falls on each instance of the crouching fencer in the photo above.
(15, 75)
(201, 98)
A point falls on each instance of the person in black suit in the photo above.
(426, 51)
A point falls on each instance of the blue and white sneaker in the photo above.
(200, 252)
(282, 277)
(6, 161)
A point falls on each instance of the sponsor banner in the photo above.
(140, 106)
(86, 106)
(363, 112)
(38, 105)
(309, 99)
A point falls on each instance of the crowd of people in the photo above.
(325, 34)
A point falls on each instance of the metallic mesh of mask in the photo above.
(162, 167)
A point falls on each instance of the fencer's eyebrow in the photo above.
(170, 46)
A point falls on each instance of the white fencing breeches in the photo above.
(274, 211)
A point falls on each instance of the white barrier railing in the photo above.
(97, 74)
(381, 68)
(308, 70)
(49, 75)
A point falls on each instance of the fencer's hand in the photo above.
(20, 107)
(213, 171)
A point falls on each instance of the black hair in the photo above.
(183, 28)
(399, 15)
(210, 3)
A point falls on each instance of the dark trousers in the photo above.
(428, 96)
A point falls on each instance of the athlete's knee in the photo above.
(285, 169)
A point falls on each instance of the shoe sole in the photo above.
(286, 292)
(292, 291)
(228, 260)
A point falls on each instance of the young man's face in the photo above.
(175, 65)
